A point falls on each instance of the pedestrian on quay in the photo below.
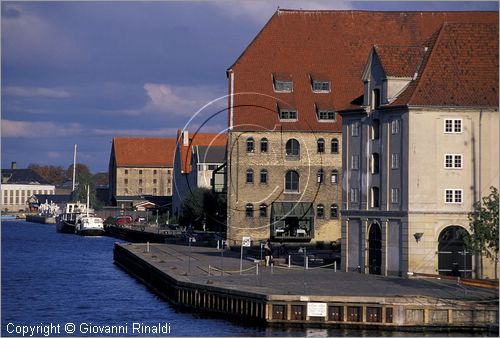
(268, 252)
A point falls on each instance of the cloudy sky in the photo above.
(86, 72)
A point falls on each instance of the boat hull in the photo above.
(65, 227)
(91, 232)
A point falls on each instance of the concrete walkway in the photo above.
(193, 264)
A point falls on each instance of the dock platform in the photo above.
(206, 280)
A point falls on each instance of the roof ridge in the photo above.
(291, 10)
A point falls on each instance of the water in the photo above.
(63, 279)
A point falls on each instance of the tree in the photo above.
(101, 179)
(53, 174)
(80, 168)
(483, 239)
(202, 205)
(83, 179)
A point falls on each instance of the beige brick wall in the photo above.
(128, 181)
(240, 193)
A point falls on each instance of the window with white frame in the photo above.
(320, 86)
(395, 127)
(326, 115)
(283, 86)
(395, 195)
(288, 114)
(453, 161)
(395, 161)
(454, 196)
(354, 195)
(452, 126)
(355, 162)
(355, 129)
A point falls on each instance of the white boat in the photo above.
(66, 222)
(89, 225)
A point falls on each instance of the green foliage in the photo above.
(200, 205)
(484, 226)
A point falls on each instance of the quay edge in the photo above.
(400, 313)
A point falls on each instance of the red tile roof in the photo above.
(197, 139)
(144, 151)
(399, 61)
(460, 68)
(333, 43)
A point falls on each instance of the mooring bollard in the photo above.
(209, 270)
(217, 245)
(335, 266)
(307, 262)
(147, 246)
(257, 268)
(272, 268)
(289, 261)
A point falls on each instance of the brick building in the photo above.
(284, 143)
(419, 150)
(140, 166)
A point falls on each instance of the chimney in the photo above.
(13, 165)
(185, 136)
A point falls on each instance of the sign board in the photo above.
(246, 241)
(316, 309)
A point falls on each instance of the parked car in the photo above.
(123, 220)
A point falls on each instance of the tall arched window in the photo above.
(375, 129)
(292, 181)
(263, 145)
(249, 176)
(250, 145)
(320, 211)
(249, 210)
(263, 210)
(321, 145)
(335, 146)
(263, 176)
(375, 197)
(375, 163)
(292, 148)
(320, 176)
(376, 98)
(334, 211)
(335, 176)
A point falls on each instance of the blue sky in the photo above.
(85, 72)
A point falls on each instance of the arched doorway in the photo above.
(453, 257)
(375, 249)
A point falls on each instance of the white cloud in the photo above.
(261, 10)
(27, 129)
(35, 91)
(179, 100)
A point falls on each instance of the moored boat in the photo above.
(89, 225)
(66, 222)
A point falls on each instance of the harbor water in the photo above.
(66, 285)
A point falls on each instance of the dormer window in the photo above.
(283, 83)
(320, 86)
(326, 115)
(288, 114)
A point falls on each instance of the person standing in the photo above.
(268, 252)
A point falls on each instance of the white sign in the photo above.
(316, 309)
(246, 241)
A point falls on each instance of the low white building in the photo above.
(18, 185)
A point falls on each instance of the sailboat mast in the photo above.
(74, 168)
(88, 199)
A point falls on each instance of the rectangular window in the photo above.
(283, 86)
(5, 200)
(453, 161)
(288, 114)
(395, 161)
(155, 172)
(354, 195)
(140, 182)
(355, 162)
(395, 127)
(355, 129)
(126, 181)
(126, 171)
(452, 126)
(140, 172)
(395, 195)
(154, 190)
(154, 181)
(326, 115)
(320, 86)
(454, 196)
(140, 190)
